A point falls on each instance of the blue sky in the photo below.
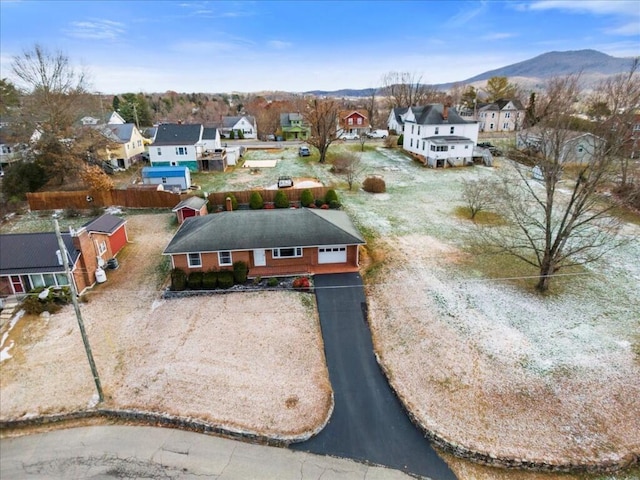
(248, 46)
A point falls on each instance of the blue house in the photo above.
(168, 177)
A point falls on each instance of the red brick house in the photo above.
(31, 260)
(277, 242)
(353, 122)
(190, 207)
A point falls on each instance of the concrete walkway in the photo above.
(369, 423)
(148, 452)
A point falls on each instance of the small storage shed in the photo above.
(190, 207)
(167, 176)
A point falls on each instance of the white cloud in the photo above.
(597, 7)
(279, 44)
(96, 30)
(626, 29)
(498, 36)
(466, 14)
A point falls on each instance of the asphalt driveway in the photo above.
(369, 423)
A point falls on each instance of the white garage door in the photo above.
(332, 254)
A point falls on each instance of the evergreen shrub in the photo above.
(225, 279)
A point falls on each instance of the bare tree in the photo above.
(403, 89)
(557, 220)
(55, 88)
(614, 103)
(350, 165)
(322, 117)
(478, 195)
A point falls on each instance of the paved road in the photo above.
(162, 453)
(368, 424)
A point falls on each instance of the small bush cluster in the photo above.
(374, 185)
(306, 198)
(209, 280)
(281, 200)
(255, 201)
(302, 283)
(54, 301)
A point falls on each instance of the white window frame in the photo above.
(453, 129)
(191, 263)
(277, 252)
(223, 262)
(159, 152)
(102, 247)
(437, 130)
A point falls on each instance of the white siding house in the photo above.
(245, 124)
(439, 136)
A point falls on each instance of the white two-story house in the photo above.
(438, 136)
(187, 145)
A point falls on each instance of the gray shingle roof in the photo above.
(287, 118)
(106, 223)
(177, 134)
(23, 253)
(228, 122)
(209, 133)
(246, 230)
(193, 202)
(433, 115)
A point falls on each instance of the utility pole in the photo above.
(74, 299)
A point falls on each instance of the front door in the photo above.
(259, 257)
(16, 281)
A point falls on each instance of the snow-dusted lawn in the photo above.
(251, 362)
(487, 363)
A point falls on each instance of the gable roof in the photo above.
(246, 230)
(178, 134)
(117, 132)
(432, 114)
(209, 133)
(287, 118)
(24, 253)
(106, 223)
(398, 112)
(228, 122)
(193, 202)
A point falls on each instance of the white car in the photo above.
(349, 136)
(378, 134)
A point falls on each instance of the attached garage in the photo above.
(333, 254)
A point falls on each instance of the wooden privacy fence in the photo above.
(85, 199)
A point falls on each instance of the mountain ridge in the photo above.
(591, 64)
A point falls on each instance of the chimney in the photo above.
(229, 205)
(445, 108)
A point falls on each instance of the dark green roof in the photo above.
(246, 230)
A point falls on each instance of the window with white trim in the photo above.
(350, 121)
(451, 130)
(359, 121)
(437, 130)
(195, 260)
(181, 150)
(102, 247)
(224, 259)
(159, 152)
(291, 252)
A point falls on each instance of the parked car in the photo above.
(492, 148)
(285, 182)
(349, 136)
(304, 152)
(378, 134)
